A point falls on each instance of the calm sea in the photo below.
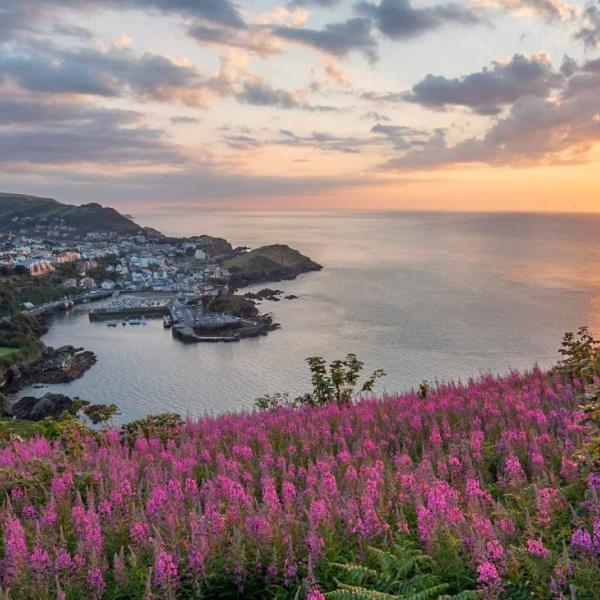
(423, 296)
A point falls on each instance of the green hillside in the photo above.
(269, 263)
(85, 218)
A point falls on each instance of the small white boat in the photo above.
(111, 324)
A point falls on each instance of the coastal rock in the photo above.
(49, 405)
(277, 262)
(264, 294)
(60, 365)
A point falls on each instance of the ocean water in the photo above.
(423, 296)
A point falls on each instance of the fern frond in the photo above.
(428, 594)
(353, 592)
(357, 573)
(388, 563)
(466, 595)
(418, 583)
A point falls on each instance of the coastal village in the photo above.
(107, 262)
(55, 256)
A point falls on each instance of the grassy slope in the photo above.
(87, 217)
(7, 351)
(20, 204)
(278, 255)
(25, 429)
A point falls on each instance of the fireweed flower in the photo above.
(63, 560)
(14, 541)
(487, 574)
(594, 481)
(537, 548)
(165, 569)
(39, 560)
(265, 493)
(494, 550)
(581, 541)
(96, 580)
(139, 532)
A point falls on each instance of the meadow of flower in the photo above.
(482, 475)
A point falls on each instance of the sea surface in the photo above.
(423, 296)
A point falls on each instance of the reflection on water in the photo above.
(422, 296)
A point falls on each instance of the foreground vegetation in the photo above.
(485, 489)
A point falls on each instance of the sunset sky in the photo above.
(432, 105)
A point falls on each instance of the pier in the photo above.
(192, 324)
(125, 307)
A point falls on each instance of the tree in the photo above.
(581, 356)
(337, 383)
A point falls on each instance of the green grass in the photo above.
(25, 429)
(7, 351)
(276, 255)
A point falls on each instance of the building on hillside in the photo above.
(71, 282)
(87, 282)
(35, 266)
(67, 256)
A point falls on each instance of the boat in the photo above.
(111, 324)
(167, 321)
(135, 321)
(124, 323)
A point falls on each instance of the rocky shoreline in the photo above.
(56, 365)
(269, 294)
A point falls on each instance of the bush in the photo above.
(337, 383)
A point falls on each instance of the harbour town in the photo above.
(54, 257)
(189, 322)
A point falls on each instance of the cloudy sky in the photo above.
(395, 104)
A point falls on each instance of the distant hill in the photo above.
(18, 211)
(269, 263)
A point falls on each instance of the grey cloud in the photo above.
(70, 30)
(548, 9)
(397, 19)
(486, 91)
(568, 66)
(589, 33)
(536, 131)
(184, 120)
(335, 38)
(259, 93)
(26, 15)
(112, 73)
(322, 141)
(262, 94)
(375, 116)
(197, 186)
(242, 142)
(321, 3)
(18, 109)
(402, 137)
(99, 137)
(382, 97)
(217, 11)
(255, 39)
(592, 66)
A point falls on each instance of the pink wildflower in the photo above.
(487, 574)
(536, 547)
(165, 569)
